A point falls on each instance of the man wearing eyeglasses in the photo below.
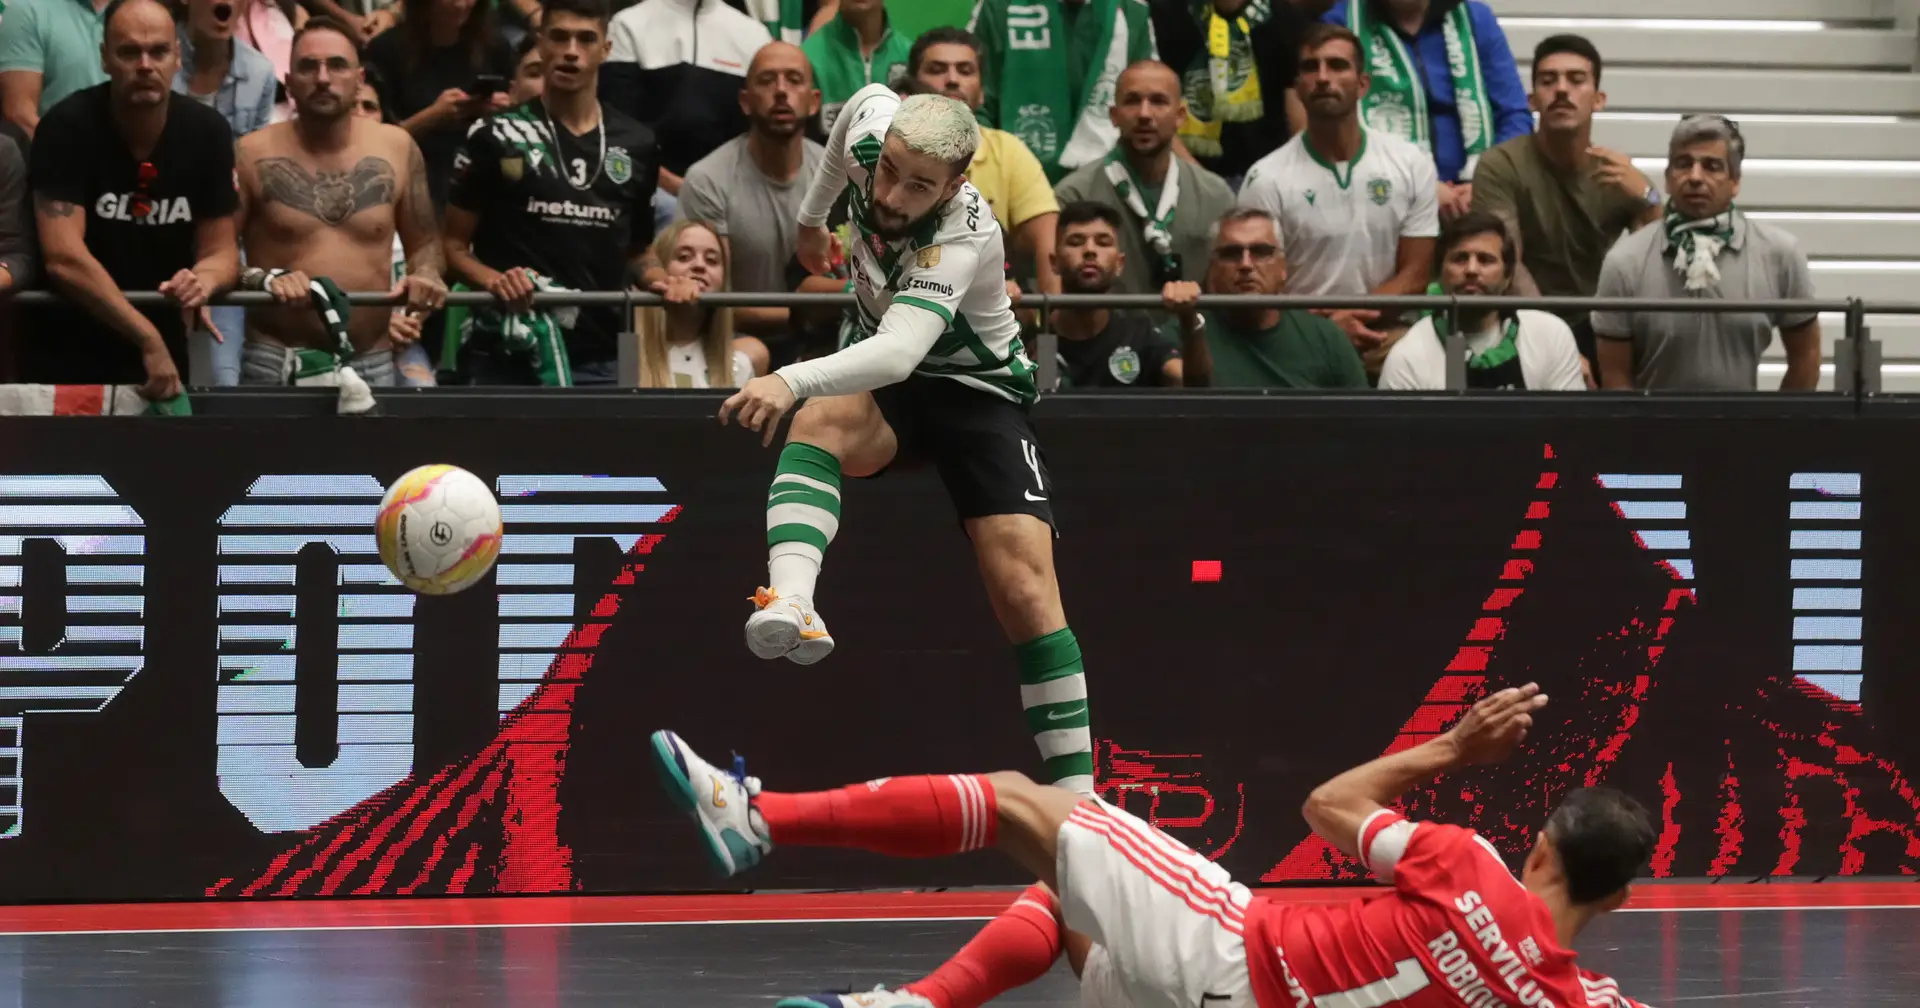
(1265, 347)
(553, 193)
(133, 190)
(322, 196)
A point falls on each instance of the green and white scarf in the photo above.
(1036, 98)
(1696, 246)
(1492, 357)
(1397, 100)
(1156, 228)
(784, 19)
(537, 337)
(328, 367)
(1223, 84)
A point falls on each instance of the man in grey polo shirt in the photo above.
(1705, 248)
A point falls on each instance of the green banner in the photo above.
(911, 17)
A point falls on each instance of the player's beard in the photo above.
(340, 108)
(892, 233)
(1070, 283)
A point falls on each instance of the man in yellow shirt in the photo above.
(947, 61)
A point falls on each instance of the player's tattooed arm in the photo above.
(332, 197)
(74, 271)
(419, 228)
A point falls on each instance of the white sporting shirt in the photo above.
(1342, 223)
(1549, 357)
(932, 303)
(687, 363)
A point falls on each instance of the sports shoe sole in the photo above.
(770, 637)
(807, 652)
(668, 763)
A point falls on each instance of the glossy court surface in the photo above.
(1788, 945)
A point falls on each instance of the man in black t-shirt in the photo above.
(561, 186)
(132, 189)
(1101, 348)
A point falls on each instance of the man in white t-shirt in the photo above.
(1522, 350)
(1358, 208)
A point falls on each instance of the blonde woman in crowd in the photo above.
(691, 345)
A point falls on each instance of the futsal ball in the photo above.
(439, 529)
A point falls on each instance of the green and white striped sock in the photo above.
(803, 513)
(1053, 689)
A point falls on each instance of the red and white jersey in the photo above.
(1457, 931)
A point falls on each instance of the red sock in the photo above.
(1013, 950)
(907, 817)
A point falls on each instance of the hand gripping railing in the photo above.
(1856, 357)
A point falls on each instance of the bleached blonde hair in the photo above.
(939, 127)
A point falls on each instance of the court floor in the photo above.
(1810, 944)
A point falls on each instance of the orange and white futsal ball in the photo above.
(439, 529)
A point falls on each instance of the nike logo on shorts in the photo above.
(1033, 497)
(1063, 715)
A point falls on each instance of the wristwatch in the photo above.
(253, 278)
(1652, 196)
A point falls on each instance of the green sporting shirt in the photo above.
(1302, 351)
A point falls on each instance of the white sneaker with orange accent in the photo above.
(787, 628)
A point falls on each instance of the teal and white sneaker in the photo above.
(879, 997)
(783, 627)
(720, 801)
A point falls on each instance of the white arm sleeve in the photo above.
(906, 333)
(831, 178)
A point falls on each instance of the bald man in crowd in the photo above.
(132, 190)
(1169, 204)
(750, 188)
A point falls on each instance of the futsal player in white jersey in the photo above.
(935, 372)
(1359, 209)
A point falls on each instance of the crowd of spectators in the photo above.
(310, 148)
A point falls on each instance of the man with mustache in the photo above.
(1170, 202)
(946, 61)
(1101, 348)
(1565, 199)
(1357, 205)
(1705, 247)
(132, 190)
(321, 197)
(750, 189)
(1505, 350)
(555, 192)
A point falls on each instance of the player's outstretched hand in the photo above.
(761, 403)
(818, 250)
(1497, 724)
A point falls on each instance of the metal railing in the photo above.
(1857, 355)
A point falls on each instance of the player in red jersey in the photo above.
(1170, 929)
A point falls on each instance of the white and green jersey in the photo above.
(953, 264)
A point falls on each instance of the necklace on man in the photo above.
(599, 162)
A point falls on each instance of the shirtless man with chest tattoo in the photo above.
(321, 196)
